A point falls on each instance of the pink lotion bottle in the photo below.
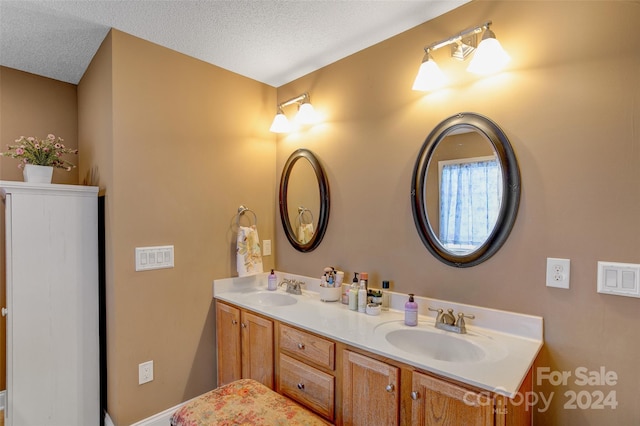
(411, 312)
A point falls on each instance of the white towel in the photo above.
(305, 233)
(249, 257)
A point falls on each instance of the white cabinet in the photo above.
(52, 304)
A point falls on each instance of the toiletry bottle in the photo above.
(385, 296)
(411, 312)
(362, 297)
(272, 283)
(353, 293)
(364, 276)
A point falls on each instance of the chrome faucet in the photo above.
(447, 321)
(293, 286)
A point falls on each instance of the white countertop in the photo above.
(511, 341)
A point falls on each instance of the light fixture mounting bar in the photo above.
(458, 37)
(297, 99)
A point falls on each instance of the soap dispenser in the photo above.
(272, 283)
(411, 312)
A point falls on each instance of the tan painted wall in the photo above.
(179, 145)
(569, 104)
(31, 105)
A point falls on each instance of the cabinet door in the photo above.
(228, 343)
(437, 402)
(257, 349)
(370, 391)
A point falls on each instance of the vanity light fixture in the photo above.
(489, 56)
(306, 114)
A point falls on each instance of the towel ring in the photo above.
(242, 210)
(301, 211)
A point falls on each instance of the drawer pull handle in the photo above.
(389, 388)
(415, 395)
(301, 386)
(300, 345)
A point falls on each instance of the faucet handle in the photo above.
(440, 313)
(460, 322)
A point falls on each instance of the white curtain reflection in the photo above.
(470, 194)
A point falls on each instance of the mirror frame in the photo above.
(323, 187)
(510, 184)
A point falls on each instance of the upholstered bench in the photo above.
(243, 402)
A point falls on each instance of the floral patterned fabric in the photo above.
(243, 402)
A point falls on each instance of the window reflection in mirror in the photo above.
(466, 175)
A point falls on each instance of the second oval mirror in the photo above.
(466, 190)
(304, 200)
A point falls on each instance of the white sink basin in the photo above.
(438, 346)
(268, 298)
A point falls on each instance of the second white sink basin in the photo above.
(441, 347)
(269, 298)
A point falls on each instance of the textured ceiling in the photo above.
(272, 41)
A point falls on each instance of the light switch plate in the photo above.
(266, 247)
(620, 279)
(158, 257)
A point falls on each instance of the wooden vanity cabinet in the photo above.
(439, 402)
(371, 393)
(379, 391)
(306, 370)
(351, 386)
(244, 346)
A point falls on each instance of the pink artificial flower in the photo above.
(19, 151)
(58, 146)
(31, 139)
(51, 137)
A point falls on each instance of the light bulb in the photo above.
(490, 57)
(280, 124)
(429, 77)
(306, 114)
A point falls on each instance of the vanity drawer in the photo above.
(307, 385)
(308, 347)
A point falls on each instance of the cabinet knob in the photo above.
(301, 386)
(234, 322)
(4, 312)
(243, 325)
(415, 395)
(389, 388)
(300, 345)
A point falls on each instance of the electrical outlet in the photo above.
(145, 372)
(558, 272)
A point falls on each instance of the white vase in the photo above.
(37, 174)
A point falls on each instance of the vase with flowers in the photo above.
(38, 157)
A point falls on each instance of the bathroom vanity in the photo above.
(352, 368)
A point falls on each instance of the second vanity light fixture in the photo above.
(489, 56)
(306, 114)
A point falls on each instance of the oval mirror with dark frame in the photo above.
(304, 200)
(465, 190)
